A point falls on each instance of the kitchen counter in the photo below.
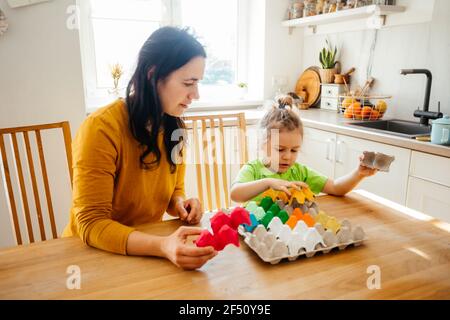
(333, 122)
(411, 251)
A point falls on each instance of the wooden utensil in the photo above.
(340, 78)
(368, 84)
(347, 89)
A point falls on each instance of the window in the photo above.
(113, 32)
(119, 30)
(219, 32)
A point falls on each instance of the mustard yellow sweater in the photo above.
(111, 192)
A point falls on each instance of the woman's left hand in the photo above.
(364, 171)
(189, 210)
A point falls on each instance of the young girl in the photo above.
(282, 139)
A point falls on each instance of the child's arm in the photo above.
(345, 184)
(242, 192)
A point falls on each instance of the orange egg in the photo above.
(308, 220)
(297, 213)
(292, 221)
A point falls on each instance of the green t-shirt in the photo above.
(255, 170)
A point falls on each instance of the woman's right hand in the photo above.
(188, 257)
(283, 185)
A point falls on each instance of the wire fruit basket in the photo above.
(365, 108)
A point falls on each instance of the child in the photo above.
(282, 139)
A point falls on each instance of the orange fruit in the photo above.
(366, 112)
(354, 107)
(374, 115)
(354, 111)
(348, 115)
(381, 106)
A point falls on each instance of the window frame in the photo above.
(96, 97)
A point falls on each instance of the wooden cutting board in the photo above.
(310, 82)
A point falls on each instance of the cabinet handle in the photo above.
(338, 152)
(329, 141)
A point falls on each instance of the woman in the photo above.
(125, 172)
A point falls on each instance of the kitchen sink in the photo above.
(407, 129)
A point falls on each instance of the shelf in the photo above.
(372, 11)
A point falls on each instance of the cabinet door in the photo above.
(430, 198)
(391, 185)
(318, 151)
(430, 167)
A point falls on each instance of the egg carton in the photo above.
(278, 243)
(377, 160)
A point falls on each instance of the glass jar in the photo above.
(320, 6)
(363, 3)
(310, 8)
(351, 4)
(326, 6)
(332, 6)
(297, 9)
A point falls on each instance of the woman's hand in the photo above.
(189, 257)
(282, 185)
(189, 210)
(364, 171)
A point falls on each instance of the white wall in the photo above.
(282, 51)
(40, 82)
(420, 45)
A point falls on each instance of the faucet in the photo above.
(424, 114)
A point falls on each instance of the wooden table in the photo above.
(413, 257)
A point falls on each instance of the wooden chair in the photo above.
(18, 169)
(211, 148)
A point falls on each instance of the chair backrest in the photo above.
(15, 172)
(213, 154)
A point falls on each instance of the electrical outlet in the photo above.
(23, 3)
(279, 81)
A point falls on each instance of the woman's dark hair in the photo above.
(166, 50)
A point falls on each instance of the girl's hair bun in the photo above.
(285, 101)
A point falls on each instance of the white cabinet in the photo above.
(418, 180)
(430, 167)
(330, 96)
(430, 198)
(318, 151)
(391, 185)
(337, 155)
(429, 185)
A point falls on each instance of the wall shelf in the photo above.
(376, 15)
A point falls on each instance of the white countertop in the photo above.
(333, 122)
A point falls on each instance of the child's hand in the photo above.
(364, 171)
(282, 185)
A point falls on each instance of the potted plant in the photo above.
(327, 58)
(242, 89)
